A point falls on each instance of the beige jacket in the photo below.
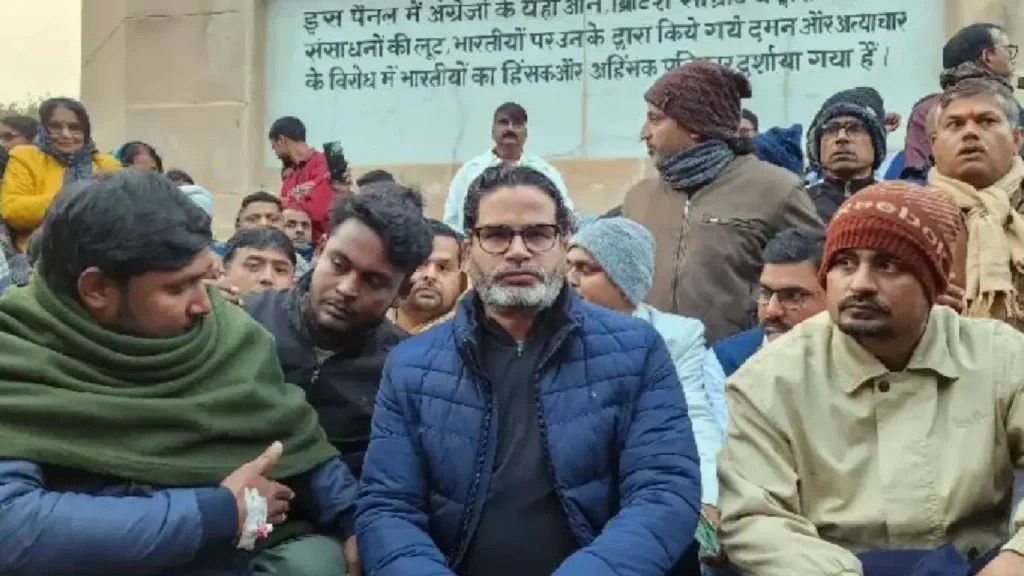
(708, 254)
(829, 454)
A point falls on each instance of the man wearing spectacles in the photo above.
(788, 294)
(846, 141)
(533, 433)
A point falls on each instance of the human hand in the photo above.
(228, 292)
(248, 475)
(953, 297)
(351, 553)
(892, 121)
(278, 497)
(1005, 564)
(714, 517)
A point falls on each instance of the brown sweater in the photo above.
(708, 255)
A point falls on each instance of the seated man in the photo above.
(879, 437)
(534, 433)
(436, 284)
(331, 332)
(258, 259)
(299, 228)
(262, 209)
(611, 263)
(135, 406)
(788, 293)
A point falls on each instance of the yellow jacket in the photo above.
(30, 182)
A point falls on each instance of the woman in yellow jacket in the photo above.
(63, 152)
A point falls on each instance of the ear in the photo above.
(1018, 138)
(97, 292)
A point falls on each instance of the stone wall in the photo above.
(187, 76)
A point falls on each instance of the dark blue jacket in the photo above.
(733, 351)
(99, 528)
(617, 437)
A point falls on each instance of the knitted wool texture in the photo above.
(625, 251)
(917, 224)
(703, 96)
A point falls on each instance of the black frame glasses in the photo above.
(538, 238)
(792, 298)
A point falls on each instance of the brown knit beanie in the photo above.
(702, 96)
(917, 224)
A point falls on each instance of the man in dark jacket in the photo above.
(331, 332)
(136, 406)
(534, 433)
(847, 141)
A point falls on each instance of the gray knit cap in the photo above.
(625, 250)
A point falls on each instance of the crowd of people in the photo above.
(788, 353)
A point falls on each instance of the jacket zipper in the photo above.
(677, 270)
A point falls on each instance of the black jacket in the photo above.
(344, 387)
(829, 194)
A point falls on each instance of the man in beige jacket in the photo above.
(885, 423)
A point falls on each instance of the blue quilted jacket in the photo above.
(617, 436)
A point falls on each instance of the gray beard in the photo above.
(540, 296)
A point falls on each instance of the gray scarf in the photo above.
(694, 168)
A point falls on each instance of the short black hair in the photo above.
(969, 43)
(126, 223)
(33, 246)
(136, 148)
(337, 164)
(25, 126)
(750, 117)
(507, 176)
(795, 245)
(374, 176)
(407, 193)
(260, 196)
(179, 177)
(400, 226)
(438, 228)
(288, 127)
(263, 238)
(515, 112)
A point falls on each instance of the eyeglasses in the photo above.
(1011, 51)
(853, 129)
(538, 238)
(791, 298)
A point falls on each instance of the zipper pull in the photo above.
(519, 349)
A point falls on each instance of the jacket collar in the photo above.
(858, 366)
(469, 309)
(849, 187)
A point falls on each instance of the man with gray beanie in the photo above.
(715, 204)
(611, 263)
(846, 143)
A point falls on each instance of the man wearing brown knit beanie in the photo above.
(879, 437)
(715, 205)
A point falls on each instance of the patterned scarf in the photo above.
(694, 168)
(995, 242)
(78, 164)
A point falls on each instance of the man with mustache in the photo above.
(436, 285)
(331, 332)
(788, 294)
(508, 131)
(139, 410)
(976, 161)
(881, 437)
(846, 140)
(534, 433)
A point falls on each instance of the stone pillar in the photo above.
(187, 76)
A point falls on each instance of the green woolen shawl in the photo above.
(180, 411)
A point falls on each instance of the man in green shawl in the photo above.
(145, 425)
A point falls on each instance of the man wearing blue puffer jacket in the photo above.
(533, 434)
(137, 408)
